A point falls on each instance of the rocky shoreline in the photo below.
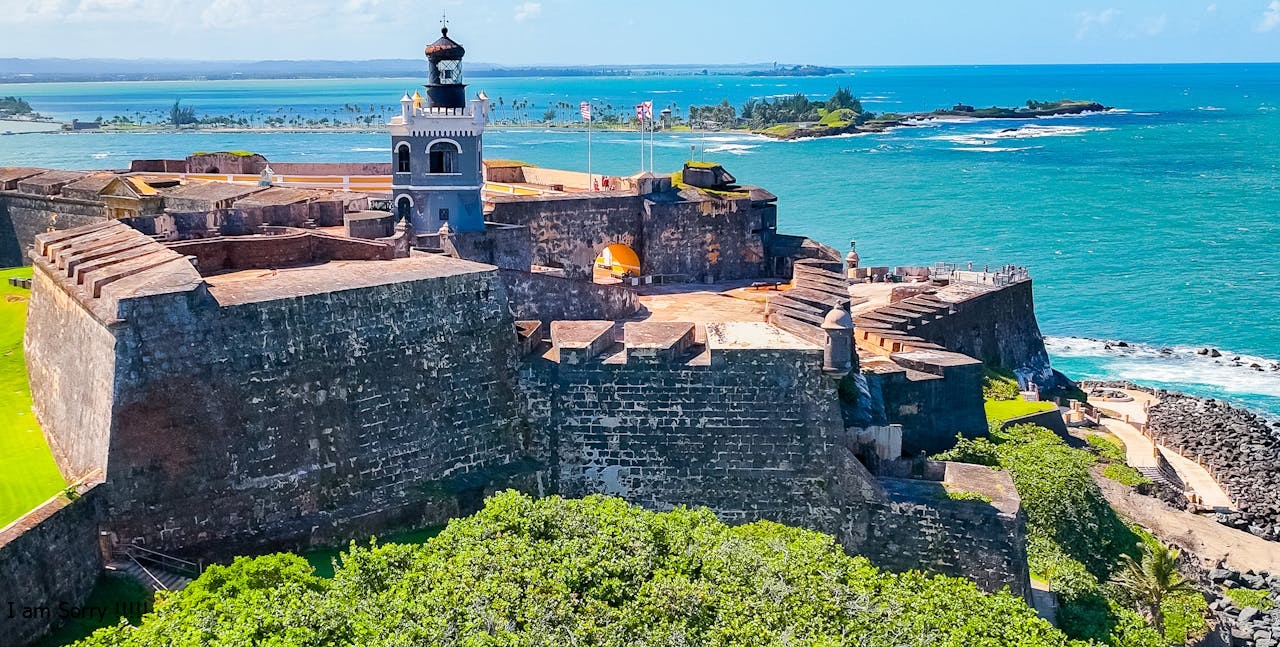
(1241, 449)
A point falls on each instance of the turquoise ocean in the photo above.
(1155, 223)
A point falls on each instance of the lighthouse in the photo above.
(437, 148)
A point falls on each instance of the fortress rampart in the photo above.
(246, 408)
(738, 417)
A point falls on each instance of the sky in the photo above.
(575, 32)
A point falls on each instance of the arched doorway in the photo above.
(616, 262)
(404, 208)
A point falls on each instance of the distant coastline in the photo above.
(14, 70)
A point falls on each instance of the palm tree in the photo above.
(1150, 581)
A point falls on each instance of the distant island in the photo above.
(797, 116)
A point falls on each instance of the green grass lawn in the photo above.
(28, 475)
(1001, 410)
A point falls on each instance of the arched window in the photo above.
(403, 206)
(444, 157)
(402, 158)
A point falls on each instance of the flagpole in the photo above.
(590, 178)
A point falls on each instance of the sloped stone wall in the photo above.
(292, 420)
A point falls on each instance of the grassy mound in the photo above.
(593, 571)
(28, 475)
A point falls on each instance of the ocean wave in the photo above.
(1030, 131)
(993, 149)
(1178, 366)
(371, 150)
(99, 156)
(734, 149)
(1210, 109)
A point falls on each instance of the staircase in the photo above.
(153, 569)
(817, 286)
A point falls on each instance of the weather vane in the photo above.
(444, 20)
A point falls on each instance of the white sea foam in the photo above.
(994, 149)
(1030, 131)
(99, 156)
(371, 150)
(1210, 109)
(734, 149)
(1232, 373)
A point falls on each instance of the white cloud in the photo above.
(527, 10)
(1155, 26)
(1270, 17)
(226, 14)
(1089, 21)
(1213, 8)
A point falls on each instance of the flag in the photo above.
(640, 112)
(648, 110)
(586, 110)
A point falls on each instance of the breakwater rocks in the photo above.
(1239, 447)
(1246, 618)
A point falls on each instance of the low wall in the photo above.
(332, 168)
(278, 250)
(1051, 420)
(49, 562)
(920, 528)
(547, 298)
(24, 216)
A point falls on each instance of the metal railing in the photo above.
(168, 562)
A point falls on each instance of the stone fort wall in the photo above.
(752, 433)
(294, 418)
(22, 217)
(235, 418)
(673, 235)
(998, 327)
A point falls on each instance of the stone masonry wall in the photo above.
(23, 216)
(49, 561)
(719, 239)
(547, 298)
(959, 538)
(753, 434)
(70, 358)
(294, 420)
(571, 232)
(999, 328)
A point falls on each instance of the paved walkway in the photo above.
(1140, 450)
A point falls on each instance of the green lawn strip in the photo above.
(28, 475)
(1002, 410)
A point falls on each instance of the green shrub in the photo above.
(999, 384)
(594, 571)
(1184, 617)
(1250, 598)
(979, 451)
(1107, 447)
(1124, 475)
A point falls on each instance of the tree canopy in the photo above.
(593, 571)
